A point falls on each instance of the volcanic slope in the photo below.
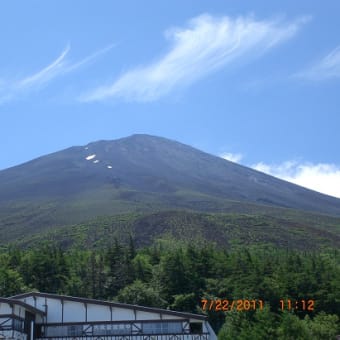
(140, 173)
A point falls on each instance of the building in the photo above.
(38, 316)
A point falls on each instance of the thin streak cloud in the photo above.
(326, 68)
(88, 59)
(11, 89)
(204, 46)
(46, 74)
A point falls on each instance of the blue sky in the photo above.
(256, 82)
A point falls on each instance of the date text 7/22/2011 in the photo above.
(241, 305)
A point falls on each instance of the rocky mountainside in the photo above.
(140, 173)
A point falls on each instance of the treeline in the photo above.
(178, 275)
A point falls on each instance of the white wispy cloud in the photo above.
(205, 45)
(322, 177)
(89, 59)
(233, 157)
(46, 74)
(10, 89)
(326, 68)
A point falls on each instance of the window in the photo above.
(196, 327)
(162, 327)
(116, 329)
(74, 330)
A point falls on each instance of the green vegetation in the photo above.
(285, 229)
(175, 274)
(168, 226)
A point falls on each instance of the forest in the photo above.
(181, 275)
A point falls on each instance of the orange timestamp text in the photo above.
(301, 305)
(230, 305)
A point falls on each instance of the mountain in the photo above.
(299, 231)
(140, 173)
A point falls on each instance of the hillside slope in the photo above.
(140, 173)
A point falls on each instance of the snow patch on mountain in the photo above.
(88, 158)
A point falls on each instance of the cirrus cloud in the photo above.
(326, 68)
(205, 45)
(11, 89)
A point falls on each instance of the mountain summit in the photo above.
(140, 173)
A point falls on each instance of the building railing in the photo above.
(127, 329)
(12, 323)
(204, 336)
(132, 330)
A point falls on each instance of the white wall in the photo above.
(54, 309)
(167, 316)
(19, 311)
(141, 315)
(30, 301)
(74, 311)
(5, 308)
(98, 313)
(122, 314)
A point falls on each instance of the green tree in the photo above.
(264, 324)
(140, 293)
(236, 326)
(323, 326)
(292, 328)
(45, 269)
(11, 282)
(185, 303)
